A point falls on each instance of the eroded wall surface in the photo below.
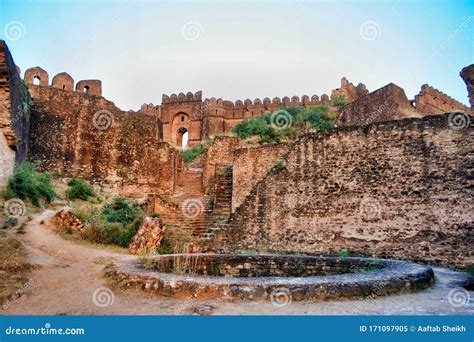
(400, 189)
(250, 165)
(220, 152)
(432, 101)
(14, 116)
(79, 134)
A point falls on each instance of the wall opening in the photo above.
(182, 137)
(185, 139)
(36, 80)
(64, 87)
(86, 89)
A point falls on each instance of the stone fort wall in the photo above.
(68, 136)
(14, 116)
(399, 189)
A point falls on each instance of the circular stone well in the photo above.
(263, 276)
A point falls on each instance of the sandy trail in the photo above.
(67, 274)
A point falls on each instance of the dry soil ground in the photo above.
(67, 274)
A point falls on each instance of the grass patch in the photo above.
(14, 269)
(29, 184)
(175, 240)
(192, 153)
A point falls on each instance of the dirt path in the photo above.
(67, 274)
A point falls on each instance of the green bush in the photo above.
(100, 231)
(79, 189)
(28, 183)
(123, 211)
(339, 101)
(115, 223)
(294, 121)
(128, 214)
(344, 253)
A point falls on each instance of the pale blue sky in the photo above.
(243, 49)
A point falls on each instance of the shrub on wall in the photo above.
(79, 189)
(286, 123)
(29, 184)
(339, 101)
(193, 152)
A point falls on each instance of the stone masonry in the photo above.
(400, 189)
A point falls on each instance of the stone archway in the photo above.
(180, 127)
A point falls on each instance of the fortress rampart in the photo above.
(189, 114)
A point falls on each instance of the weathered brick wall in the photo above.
(400, 189)
(14, 116)
(250, 165)
(386, 103)
(220, 152)
(128, 154)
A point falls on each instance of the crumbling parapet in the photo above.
(467, 74)
(37, 73)
(348, 91)
(91, 87)
(384, 104)
(431, 101)
(63, 81)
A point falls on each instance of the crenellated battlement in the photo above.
(62, 81)
(266, 103)
(181, 97)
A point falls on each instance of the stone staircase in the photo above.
(202, 215)
(222, 204)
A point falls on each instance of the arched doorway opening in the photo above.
(182, 139)
(180, 128)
